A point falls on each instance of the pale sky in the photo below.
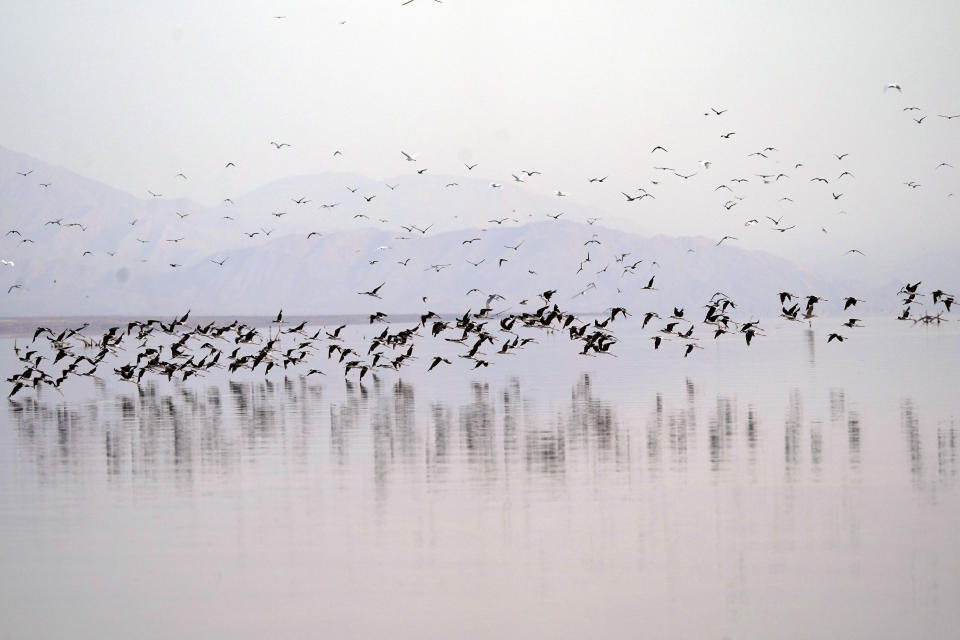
(130, 94)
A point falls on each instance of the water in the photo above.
(795, 489)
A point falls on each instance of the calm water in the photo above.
(794, 489)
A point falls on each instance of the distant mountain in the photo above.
(420, 222)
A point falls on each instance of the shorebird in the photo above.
(373, 292)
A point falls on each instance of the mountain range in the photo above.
(96, 250)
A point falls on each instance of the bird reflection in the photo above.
(491, 435)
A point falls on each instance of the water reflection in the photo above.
(492, 434)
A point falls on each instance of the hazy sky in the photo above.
(132, 93)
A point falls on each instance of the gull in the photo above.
(660, 148)
(313, 233)
(840, 156)
(278, 214)
(392, 186)
(437, 267)
(559, 193)
(14, 286)
(784, 229)
(24, 173)
(597, 179)
(477, 264)
(517, 178)
(515, 247)
(470, 167)
(685, 177)
(727, 135)
(845, 173)
(943, 164)
(495, 185)
(949, 117)
(750, 223)
(219, 262)
(155, 195)
(300, 200)
(725, 238)
(920, 119)
(279, 145)
(892, 85)
(555, 217)
(452, 184)
(721, 112)
(228, 165)
(704, 163)
(849, 251)
(530, 174)
(7, 263)
(408, 157)
(45, 184)
(180, 175)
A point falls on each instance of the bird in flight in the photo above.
(892, 85)
(373, 292)
(279, 145)
(725, 238)
(408, 157)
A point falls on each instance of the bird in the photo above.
(438, 359)
(849, 251)
(660, 148)
(373, 292)
(726, 238)
(408, 157)
(279, 145)
(7, 263)
(893, 85)
(219, 262)
(470, 167)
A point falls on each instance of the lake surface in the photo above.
(792, 489)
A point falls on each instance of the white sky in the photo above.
(132, 93)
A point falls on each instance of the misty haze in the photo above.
(458, 319)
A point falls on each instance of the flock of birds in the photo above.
(178, 350)
(175, 349)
